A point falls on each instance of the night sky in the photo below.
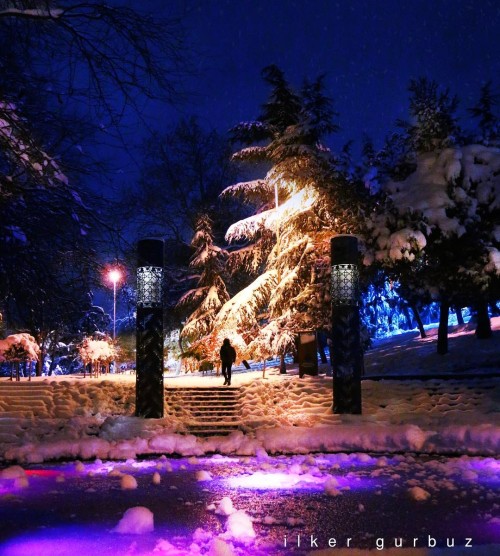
(368, 49)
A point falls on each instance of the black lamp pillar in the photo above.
(346, 352)
(149, 358)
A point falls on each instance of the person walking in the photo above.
(227, 357)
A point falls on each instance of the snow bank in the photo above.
(282, 413)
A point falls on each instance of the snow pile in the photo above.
(203, 476)
(13, 472)
(136, 521)
(128, 482)
(332, 486)
(225, 506)
(239, 526)
(220, 548)
(418, 493)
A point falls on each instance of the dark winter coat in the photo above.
(227, 353)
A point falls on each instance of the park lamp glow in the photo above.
(345, 285)
(345, 280)
(114, 275)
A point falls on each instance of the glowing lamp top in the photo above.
(114, 275)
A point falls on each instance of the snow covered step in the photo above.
(35, 402)
(17, 414)
(213, 432)
(8, 438)
(221, 391)
(215, 411)
(234, 406)
(208, 411)
(217, 423)
(205, 399)
(216, 428)
(24, 392)
(14, 385)
(10, 418)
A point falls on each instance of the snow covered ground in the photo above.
(88, 418)
(245, 500)
(262, 506)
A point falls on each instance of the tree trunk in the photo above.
(39, 363)
(282, 364)
(460, 318)
(442, 343)
(406, 313)
(418, 318)
(264, 369)
(483, 328)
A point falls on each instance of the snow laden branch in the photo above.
(23, 153)
(248, 228)
(240, 312)
(201, 320)
(249, 191)
(273, 339)
(446, 194)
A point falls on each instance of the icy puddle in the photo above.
(251, 506)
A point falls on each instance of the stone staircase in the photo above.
(20, 403)
(26, 400)
(205, 411)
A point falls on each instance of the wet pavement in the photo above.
(297, 504)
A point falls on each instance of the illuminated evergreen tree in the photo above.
(210, 294)
(299, 204)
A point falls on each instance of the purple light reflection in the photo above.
(76, 541)
(261, 480)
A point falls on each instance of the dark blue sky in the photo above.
(369, 50)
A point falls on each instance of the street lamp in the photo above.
(114, 276)
(346, 351)
(149, 393)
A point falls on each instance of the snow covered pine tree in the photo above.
(206, 299)
(299, 204)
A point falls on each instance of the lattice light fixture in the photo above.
(149, 399)
(149, 286)
(345, 285)
(346, 350)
